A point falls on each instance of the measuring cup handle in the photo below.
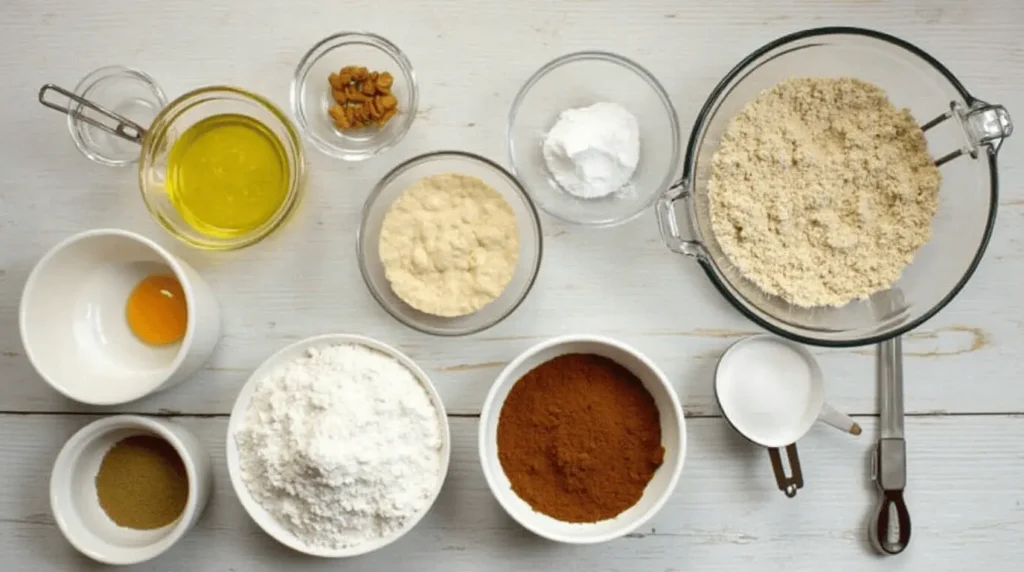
(787, 484)
(838, 419)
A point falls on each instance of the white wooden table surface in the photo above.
(966, 436)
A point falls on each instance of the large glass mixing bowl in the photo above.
(964, 135)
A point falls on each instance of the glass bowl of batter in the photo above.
(575, 158)
(436, 281)
(963, 136)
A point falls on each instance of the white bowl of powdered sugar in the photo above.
(337, 445)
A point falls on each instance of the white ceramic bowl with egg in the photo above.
(73, 325)
(673, 439)
(260, 515)
(75, 502)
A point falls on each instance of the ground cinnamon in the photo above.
(579, 438)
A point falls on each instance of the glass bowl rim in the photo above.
(320, 49)
(165, 119)
(374, 195)
(638, 70)
(708, 110)
(89, 81)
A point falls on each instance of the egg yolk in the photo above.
(156, 311)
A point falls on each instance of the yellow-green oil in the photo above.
(227, 175)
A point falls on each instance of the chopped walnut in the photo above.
(362, 98)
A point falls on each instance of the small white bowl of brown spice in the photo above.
(124, 489)
(582, 439)
(354, 95)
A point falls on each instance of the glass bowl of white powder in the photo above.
(594, 138)
(338, 445)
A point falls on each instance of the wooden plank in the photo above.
(621, 282)
(964, 494)
(940, 378)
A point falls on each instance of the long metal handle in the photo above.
(889, 531)
(890, 387)
(122, 127)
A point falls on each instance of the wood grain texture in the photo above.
(963, 494)
(471, 58)
(621, 282)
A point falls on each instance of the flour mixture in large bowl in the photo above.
(814, 198)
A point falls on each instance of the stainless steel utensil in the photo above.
(890, 528)
(121, 127)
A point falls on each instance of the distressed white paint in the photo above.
(471, 57)
(964, 494)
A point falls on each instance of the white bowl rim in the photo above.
(169, 259)
(489, 410)
(97, 428)
(258, 514)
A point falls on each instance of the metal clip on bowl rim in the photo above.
(121, 127)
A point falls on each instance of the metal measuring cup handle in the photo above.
(889, 530)
(788, 484)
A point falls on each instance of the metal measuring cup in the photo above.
(771, 391)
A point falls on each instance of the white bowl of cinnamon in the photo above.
(582, 439)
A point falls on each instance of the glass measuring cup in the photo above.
(964, 132)
(111, 133)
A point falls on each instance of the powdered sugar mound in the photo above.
(341, 446)
(593, 151)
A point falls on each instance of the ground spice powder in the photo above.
(142, 483)
(579, 438)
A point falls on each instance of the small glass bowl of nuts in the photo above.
(354, 95)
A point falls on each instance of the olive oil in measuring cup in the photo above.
(227, 175)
